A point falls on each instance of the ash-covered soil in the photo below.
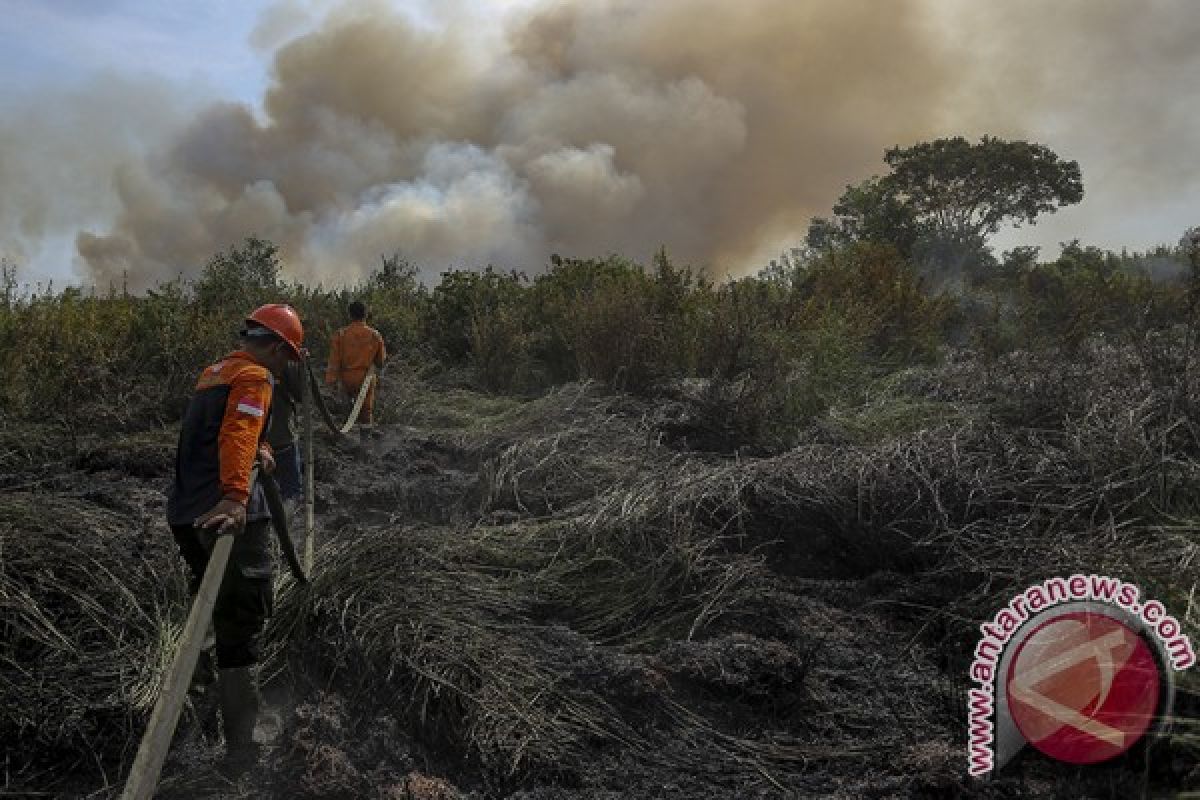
(565, 598)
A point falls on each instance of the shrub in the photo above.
(461, 296)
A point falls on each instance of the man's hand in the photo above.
(227, 516)
(266, 459)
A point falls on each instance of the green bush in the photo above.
(613, 321)
(882, 298)
(774, 350)
(577, 308)
(461, 297)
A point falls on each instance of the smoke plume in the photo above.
(711, 127)
(56, 162)
(580, 128)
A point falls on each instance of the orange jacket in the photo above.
(220, 436)
(353, 350)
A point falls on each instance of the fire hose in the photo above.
(314, 388)
(279, 522)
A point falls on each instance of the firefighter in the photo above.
(353, 350)
(221, 436)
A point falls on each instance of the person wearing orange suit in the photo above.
(354, 349)
(220, 439)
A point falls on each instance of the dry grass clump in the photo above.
(85, 630)
(516, 646)
(767, 675)
(496, 675)
(943, 482)
(409, 620)
(1107, 450)
(25, 448)
(592, 443)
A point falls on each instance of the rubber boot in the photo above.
(239, 714)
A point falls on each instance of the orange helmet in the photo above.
(282, 320)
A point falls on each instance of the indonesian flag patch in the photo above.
(248, 405)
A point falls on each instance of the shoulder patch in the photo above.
(250, 405)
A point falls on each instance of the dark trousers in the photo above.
(245, 598)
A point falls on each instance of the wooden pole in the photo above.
(310, 456)
(143, 777)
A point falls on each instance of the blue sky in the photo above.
(202, 45)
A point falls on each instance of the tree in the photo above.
(949, 195)
(239, 277)
(395, 274)
(868, 212)
(962, 190)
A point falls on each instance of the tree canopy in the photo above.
(951, 192)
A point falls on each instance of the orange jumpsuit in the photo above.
(353, 350)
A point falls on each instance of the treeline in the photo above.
(815, 328)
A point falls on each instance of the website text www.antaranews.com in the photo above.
(1176, 646)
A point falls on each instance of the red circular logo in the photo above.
(1083, 687)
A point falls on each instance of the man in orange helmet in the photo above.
(221, 437)
(352, 352)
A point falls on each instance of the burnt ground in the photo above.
(460, 642)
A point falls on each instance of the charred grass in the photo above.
(558, 598)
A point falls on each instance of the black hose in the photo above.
(279, 523)
(315, 393)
